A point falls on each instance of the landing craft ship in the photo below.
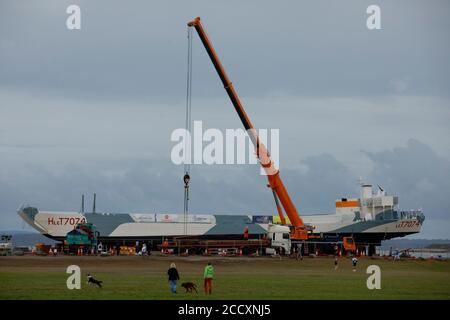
(369, 219)
(357, 223)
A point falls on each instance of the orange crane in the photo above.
(298, 230)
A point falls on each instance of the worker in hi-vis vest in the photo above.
(208, 276)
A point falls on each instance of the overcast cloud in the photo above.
(92, 110)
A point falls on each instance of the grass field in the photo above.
(132, 277)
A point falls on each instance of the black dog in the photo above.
(189, 286)
(94, 281)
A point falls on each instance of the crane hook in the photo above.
(186, 180)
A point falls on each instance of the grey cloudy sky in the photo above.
(92, 110)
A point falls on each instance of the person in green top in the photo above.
(208, 276)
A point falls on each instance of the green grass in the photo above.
(134, 278)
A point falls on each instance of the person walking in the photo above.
(335, 262)
(173, 277)
(299, 251)
(246, 233)
(208, 276)
(354, 262)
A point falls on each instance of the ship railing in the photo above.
(410, 214)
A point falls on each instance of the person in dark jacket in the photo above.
(354, 262)
(173, 277)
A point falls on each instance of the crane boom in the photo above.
(298, 231)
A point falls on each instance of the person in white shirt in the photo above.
(354, 262)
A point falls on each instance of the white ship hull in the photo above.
(370, 219)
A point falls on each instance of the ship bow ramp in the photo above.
(28, 214)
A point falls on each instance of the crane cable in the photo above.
(187, 140)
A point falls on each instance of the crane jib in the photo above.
(224, 78)
(298, 231)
